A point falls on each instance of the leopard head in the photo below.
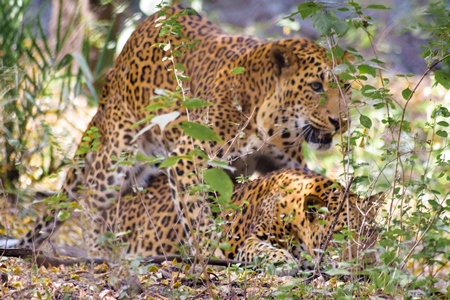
(354, 222)
(308, 101)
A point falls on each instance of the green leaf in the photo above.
(323, 210)
(219, 181)
(443, 124)
(225, 246)
(443, 78)
(148, 159)
(308, 8)
(158, 105)
(386, 243)
(442, 133)
(377, 6)
(179, 67)
(84, 66)
(365, 121)
(85, 69)
(388, 257)
(338, 52)
(237, 70)
(63, 215)
(406, 93)
(435, 192)
(200, 132)
(199, 153)
(337, 272)
(366, 69)
(323, 23)
(170, 161)
(193, 103)
(82, 150)
(340, 27)
(434, 204)
(344, 75)
(177, 53)
(339, 69)
(143, 121)
(369, 91)
(441, 111)
(14, 143)
(406, 126)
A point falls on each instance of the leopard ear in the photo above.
(284, 61)
(312, 204)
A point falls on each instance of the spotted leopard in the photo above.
(278, 217)
(288, 94)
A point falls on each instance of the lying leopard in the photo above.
(287, 94)
(277, 217)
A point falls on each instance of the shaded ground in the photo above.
(171, 281)
(124, 281)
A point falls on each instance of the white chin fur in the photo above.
(320, 147)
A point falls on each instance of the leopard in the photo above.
(282, 217)
(285, 94)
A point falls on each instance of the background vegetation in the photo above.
(398, 142)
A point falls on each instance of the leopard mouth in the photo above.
(315, 136)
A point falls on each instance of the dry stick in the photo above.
(44, 260)
(213, 262)
(50, 261)
(330, 232)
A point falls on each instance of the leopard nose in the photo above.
(335, 122)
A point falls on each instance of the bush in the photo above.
(398, 144)
(41, 83)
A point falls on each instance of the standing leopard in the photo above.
(277, 217)
(287, 94)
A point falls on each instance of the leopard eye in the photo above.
(317, 87)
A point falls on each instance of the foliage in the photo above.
(46, 82)
(40, 82)
(398, 144)
(28, 77)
